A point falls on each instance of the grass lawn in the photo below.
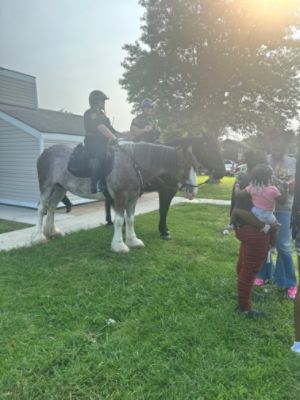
(8, 226)
(220, 190)
(79, 322)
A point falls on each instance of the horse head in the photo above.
(206, 149)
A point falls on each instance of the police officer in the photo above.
(99, 133)
(144, 127)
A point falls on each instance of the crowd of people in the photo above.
(265, 199)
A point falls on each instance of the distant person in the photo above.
(284, 168)
(144, 128)
(99, 133)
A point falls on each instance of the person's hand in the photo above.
(114, 141)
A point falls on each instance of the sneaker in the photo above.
(259, 282)
(252, 313)
(229, 228)
(292, 292)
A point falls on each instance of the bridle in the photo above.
(189, 186)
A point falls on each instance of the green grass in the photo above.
(176, 335)
(8, 226)
(220, 190)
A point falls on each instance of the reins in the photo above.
(136, 167)
(190, 186)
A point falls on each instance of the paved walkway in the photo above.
(83, 216)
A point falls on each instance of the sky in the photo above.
(72, 47)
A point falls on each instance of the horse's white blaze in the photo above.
(193, 179)
(117, 243)
(190, 194)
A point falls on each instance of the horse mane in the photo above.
(151, 156)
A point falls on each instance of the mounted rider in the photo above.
(144, 128)
(99, 134)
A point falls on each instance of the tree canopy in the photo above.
(217, 64)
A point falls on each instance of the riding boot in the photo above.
(94, 169)
(67, 203)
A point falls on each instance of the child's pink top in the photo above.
(263, 197)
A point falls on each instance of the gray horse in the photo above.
(134, 165)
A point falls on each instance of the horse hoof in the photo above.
(120, 248)
(135, 243)
(56, 233)
(166, 236)
(40, 239)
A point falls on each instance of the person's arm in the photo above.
(136, 132)
(106, 132)
(240, 194)
(281, 198)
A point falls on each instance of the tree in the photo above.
(216, 64)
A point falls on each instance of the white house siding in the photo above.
(17, 89)
(18, 176)
(63, 139)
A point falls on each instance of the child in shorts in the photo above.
(264, 195)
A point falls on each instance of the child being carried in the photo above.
(264, 195)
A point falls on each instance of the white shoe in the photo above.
(229, 228)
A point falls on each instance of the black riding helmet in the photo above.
(95, 96)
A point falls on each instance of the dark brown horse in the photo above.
(206, 149)
(135, 165)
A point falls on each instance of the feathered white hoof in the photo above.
(56, 232)
(119, 247)
(53, 233)
(135, 243)
(39, 239)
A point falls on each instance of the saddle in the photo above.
(78, 164)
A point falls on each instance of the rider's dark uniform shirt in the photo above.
(140, 122)
(95, 142)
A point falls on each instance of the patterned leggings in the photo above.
(253, 252)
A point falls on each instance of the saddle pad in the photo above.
(78, 163)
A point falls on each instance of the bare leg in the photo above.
(247, 216)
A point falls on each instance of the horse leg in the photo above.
(108, 205)
(165, 198)
(117, 244)
(39, 236)
(50, 230)
(131, 238)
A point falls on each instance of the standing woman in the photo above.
(255, 243)
(284, 275)
(296, 236)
